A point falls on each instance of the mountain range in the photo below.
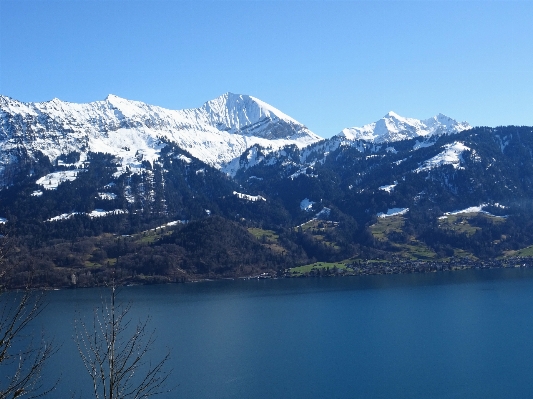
(121, 182)
(217, 132)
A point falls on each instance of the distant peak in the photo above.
(392, 114)
(393, 127)
(111, 97)
(441, 116)
(234, 97)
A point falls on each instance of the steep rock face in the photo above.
(218, 132)
(393, 127)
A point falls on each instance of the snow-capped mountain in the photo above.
(371, 137)
(216, 133)
(393, 127)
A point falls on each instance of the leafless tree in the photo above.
(22, 357)
(115, 353)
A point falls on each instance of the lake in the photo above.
(464, 334)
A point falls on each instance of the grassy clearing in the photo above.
(461, 253)
(318, 265)
(317, 225)
(267, 238)
(369, 261)
(260, 233)
(413, 249)
(416, 250)
(528, 251)
(318, 229)
(458, 224)
(384, 226)
(463, 222)
(151, 236)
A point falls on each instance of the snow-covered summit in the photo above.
(217, 132)
(249, 115)
(393, 127)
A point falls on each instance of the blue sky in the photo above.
(328, 64)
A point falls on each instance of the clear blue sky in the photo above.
(327, 64)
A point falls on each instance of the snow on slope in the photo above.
(393, 127)
(393, 212)
(389, 187)
(306, 205)
(247, 197)
(473, 209)
(216, 133)
(52, 180)
(452, 155)
(97, 213)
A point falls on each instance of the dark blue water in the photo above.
(465, 334)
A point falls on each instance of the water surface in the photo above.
(464, 334)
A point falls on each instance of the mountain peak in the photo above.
(114, 99)
(111, 97)
(234, 112)
(392, 114)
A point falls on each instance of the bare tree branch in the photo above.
(115, 352)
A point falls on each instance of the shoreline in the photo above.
(359, 268)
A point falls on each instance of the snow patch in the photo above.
(452, 155)
(37, 193)
(97, 213)
(170, 224)
(323, 214)
(393, 212)
(184, 158)
(3, 220)
(473, 209)
(107, 196)
(93, 214)
(247, 197)
(52, 180)
(389, 188)
(306, 205)
(63, 216)
(175, 223)
(422, 144)
(129, 195)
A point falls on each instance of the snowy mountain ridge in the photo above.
(393, 127)
(216, 133)
(230, 132)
